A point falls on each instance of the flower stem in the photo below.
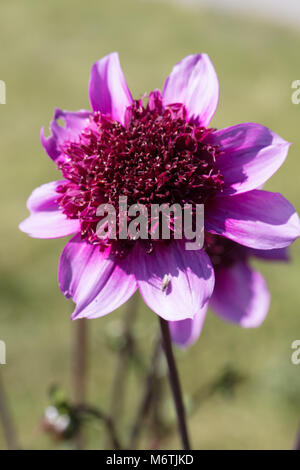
(91, 411)
(123, 361)
(80, 369)
(147, 396)
(297, 443)
(7, 421)
(174, 383)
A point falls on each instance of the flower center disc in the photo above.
(156, 157)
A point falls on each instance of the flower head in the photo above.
(163, 151)
(156, 157)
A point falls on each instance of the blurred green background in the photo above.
(47, 49)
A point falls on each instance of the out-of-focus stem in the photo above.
(157, 425)
(80, 354)
(125, 353)
(94, 412)
(297, 443)
(174, 383)
(7, 421)
(147, 396)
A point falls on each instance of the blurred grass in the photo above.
(46, 54)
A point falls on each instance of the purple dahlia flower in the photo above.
(240, 294)
(160, 152)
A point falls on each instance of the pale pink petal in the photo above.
(53, 224)
(194, 82)
(250, 155)
(74, 123)
(108, 89)
(46, 219)
(190, 280)
(97, 282)
(258, 219)
(279, 254)
(184, 333)
(44, 197)
(241, 295)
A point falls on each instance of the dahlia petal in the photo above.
(190, 280)
(97, 282)
(257, 219)
(251, 154)
(44, 197)
(46, 219)
(184, 333)
(279, 254)
(75, 122)
(194, 82)
(240, 296)
(108, 89)
(53, 224)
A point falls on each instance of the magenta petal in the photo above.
(108, 89)
(240, 295)
(251, 154)
(191, 280)
(258, 219)
(97, 283)
(75, 122)
(194, 82)
(52, 224)
(184, 333)
(46, 219)
(279, 254)
(44, 198)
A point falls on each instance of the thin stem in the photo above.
(297, 443)
(157, 426)
(147, 396)
(125, 353)
(80, 369)
(94, 412)
(174, 383)
(7, 421)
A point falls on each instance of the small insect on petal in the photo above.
(165, 282)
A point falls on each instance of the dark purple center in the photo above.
(156, 157)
